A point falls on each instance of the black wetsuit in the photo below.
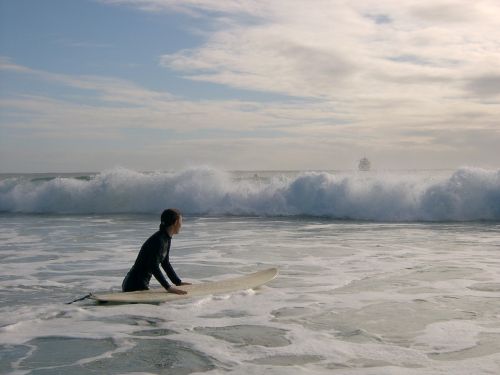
(154, 252)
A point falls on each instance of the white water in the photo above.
(352, 297)
(467, 194)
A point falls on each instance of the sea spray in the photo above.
(468, 194)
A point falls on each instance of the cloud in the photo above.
(195, 7)
(123, 110)
(374, 64)
(388, 67)
(119, 104)
(6, 64)
(111, 90)
(485, 86)
(337, 50)
(388, 77)
(446, 11)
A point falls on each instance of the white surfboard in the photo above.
(159, 295)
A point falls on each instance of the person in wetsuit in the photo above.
(155, 252)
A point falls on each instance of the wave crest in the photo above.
(468, 194)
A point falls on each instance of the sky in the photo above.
(88, 85)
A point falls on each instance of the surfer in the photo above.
(155, 251)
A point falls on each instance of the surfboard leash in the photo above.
(79, 299)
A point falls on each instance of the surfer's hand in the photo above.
(176, 291)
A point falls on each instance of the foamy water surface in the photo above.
(353, 297)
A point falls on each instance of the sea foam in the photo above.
(467, 194)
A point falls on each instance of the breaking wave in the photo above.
(468, 194)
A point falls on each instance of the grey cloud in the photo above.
(450, 12)
(412, 79)
(410, 59)
(277, 65)
(380, 19)
(316, 62)
(484, 86)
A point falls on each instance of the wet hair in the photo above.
(169, 217)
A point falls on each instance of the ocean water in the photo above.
(380, 272)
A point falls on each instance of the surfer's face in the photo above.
(177, 225)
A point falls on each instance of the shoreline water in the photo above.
(362, 298)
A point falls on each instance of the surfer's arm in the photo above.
(171, 273)
(159, 276)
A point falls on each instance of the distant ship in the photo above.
(364, 165)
